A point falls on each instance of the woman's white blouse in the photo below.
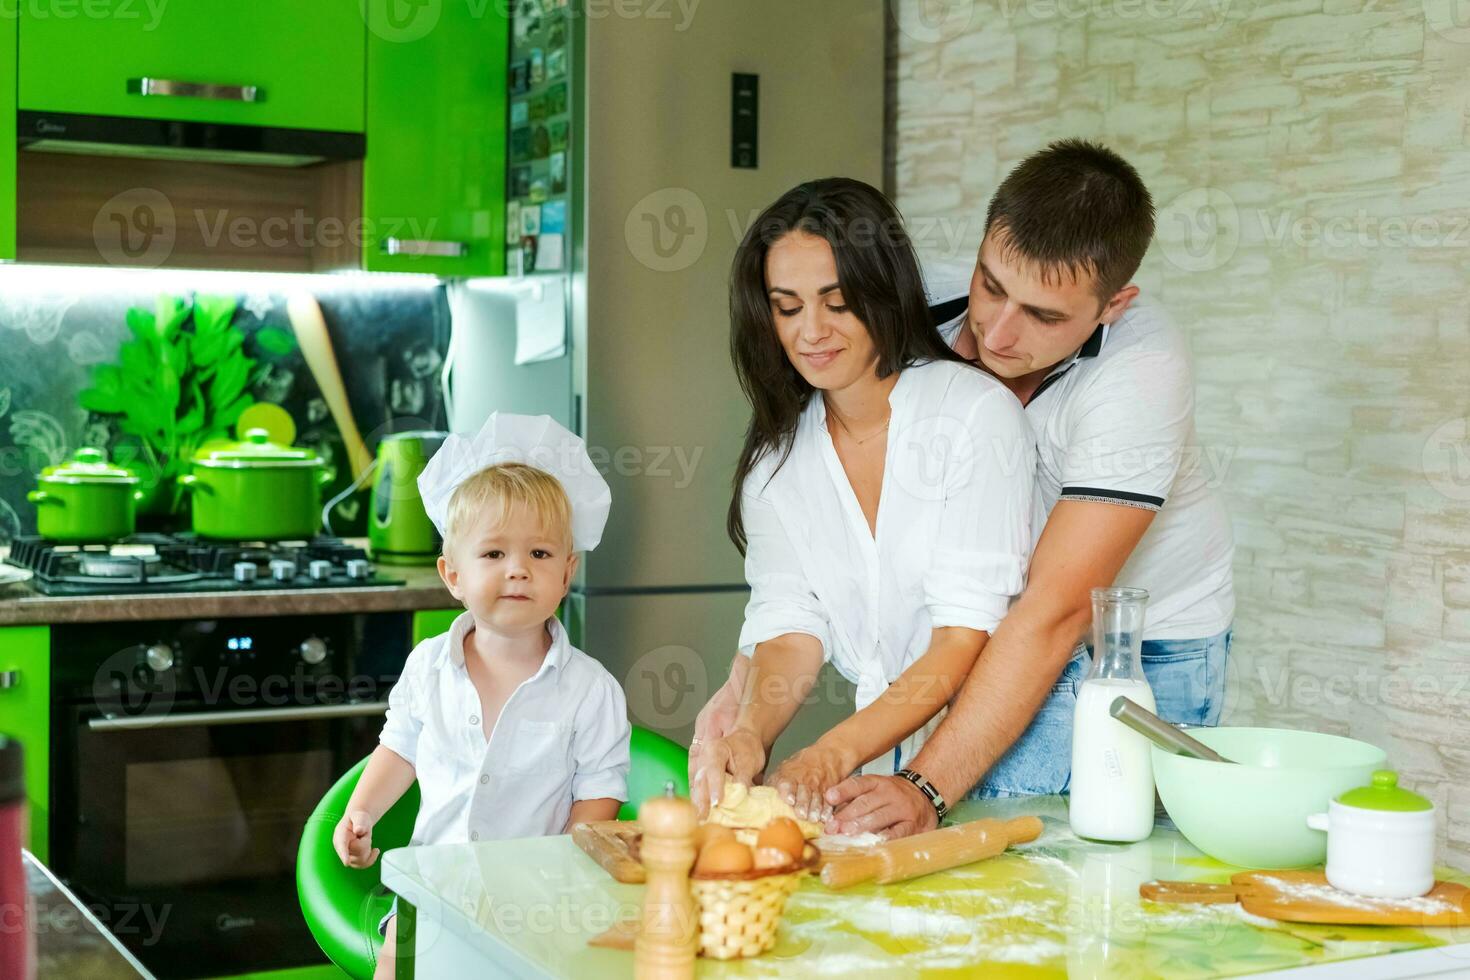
(561, 736)
(954, 528)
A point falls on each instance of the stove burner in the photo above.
(182, 563)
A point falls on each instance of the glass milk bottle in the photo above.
(1112, 774)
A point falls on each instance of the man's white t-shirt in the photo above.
(1115, 423)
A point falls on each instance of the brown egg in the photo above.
(783, 834)
(771, 857)
(707, 833)
(724, 857)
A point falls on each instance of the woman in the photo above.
(883, 497)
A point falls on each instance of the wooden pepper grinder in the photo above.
(668, 941)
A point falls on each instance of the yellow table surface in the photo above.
(1057, 907)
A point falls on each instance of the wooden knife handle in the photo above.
(937, 850)
(1192, 892)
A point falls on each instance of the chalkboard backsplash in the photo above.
(149, 365)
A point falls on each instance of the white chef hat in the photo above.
(533, 440)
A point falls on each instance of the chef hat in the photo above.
(533, 440)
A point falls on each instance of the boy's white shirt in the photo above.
(563, 735)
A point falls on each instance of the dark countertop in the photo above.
(70, 942)
(422, 589)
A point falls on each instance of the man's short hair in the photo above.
(1075, 208)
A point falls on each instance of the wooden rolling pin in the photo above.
(310, 326)
(922, 854)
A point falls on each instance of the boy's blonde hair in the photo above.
(497, 490)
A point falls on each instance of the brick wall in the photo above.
(1312, 170)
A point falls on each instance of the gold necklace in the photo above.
(870, 436)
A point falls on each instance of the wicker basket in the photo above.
(740, 912)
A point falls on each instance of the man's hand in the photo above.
(803, 779)
(740, 756)
(353, 840)
(887, 805)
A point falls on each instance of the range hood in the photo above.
(164, 139)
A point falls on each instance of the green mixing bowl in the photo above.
(1254, 814)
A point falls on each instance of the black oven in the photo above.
(187, 757)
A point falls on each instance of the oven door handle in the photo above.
(260, 716)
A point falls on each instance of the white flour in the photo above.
(837, 842)
(1312, 892)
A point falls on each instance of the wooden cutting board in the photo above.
(609, 843)
(1305, 896)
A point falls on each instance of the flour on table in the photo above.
(837, 842)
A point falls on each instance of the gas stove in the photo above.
(163, 563)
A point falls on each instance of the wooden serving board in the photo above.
(610, 844)
(1306, 896)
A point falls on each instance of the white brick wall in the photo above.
(1311, 164)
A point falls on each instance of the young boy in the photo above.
(509, 729)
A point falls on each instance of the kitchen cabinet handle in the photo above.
(172, 88)
(9, 679)
(215, 719)
(425, 247)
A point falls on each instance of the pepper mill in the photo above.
(667, 943)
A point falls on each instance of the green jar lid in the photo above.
(256, 449)
(88, 465)
(1385, 794)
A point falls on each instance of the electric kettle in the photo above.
(399, 530)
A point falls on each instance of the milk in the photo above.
(1112, 773)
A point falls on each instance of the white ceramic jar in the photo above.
(1380, 840)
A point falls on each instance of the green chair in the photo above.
(343, 906)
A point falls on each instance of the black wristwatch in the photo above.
(941, 808)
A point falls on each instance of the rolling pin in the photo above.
(310, 326)
(922, 854)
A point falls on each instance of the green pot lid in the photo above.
(88, 465)
(256, 449)
(1385, 794)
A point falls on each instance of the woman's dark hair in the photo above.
(881, 283)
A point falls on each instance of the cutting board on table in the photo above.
(1306, 896)
(610, 843)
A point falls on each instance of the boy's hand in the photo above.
(353, 840)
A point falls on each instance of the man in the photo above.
(1107, 387)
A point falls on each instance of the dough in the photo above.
(756, 806)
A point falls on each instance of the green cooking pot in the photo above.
(256, 490)
(85, 499)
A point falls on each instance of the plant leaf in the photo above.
(212, 314)
(274, 340)
(172, 311)
(141, 323)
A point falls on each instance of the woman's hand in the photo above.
(803, 779)
(740, 756)
(353, 840)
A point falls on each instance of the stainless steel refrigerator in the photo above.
(685, 127)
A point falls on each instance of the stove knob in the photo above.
(282, 570)
(246, 571)
(359, 568)
(160, 657)
(320, 570)
(313, 650)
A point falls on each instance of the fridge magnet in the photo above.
(513, 221)
(520, 143)
(538, 190)
(538, 66)
(558, 173)
(520, 78)
(556, 63)
(520, 112)
(558, 129)
(549, 252)
(540, 143)
(556, 99)
(556, 29)
(538, 108)
(554, 217)
(520, 182)
(531, 220)
(528, 254)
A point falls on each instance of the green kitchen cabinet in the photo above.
(434, 178)
(7, 137)
(25, 715)
(279, 63)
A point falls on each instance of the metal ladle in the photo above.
(1160, 732)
